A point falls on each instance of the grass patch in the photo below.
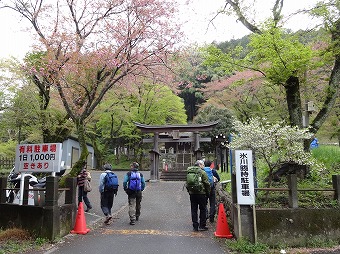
(328, 155)
(244, 246)
(15, 240)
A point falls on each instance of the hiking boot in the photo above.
(211, 220)
(137, 218)
(195, 229)
(132, 222)
(203, 228)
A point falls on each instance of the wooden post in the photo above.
(51, 191)
(70, 195)
(26, 190)
(293, 194)
(336, 187)
(3, 185)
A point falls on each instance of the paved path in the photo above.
(164, 225)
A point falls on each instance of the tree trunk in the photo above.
(83, 151)
(82, 141)
(331, 97)
(293, 98)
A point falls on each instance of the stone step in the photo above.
(173, 175)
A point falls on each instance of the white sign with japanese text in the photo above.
(38, 157)
(244, 177)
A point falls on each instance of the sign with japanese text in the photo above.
(244, 177)
(38, 157)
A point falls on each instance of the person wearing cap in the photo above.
(134, 184)
(106, 196)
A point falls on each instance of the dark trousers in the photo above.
(82, 195)
(212, 204)
(106, 202)
(198, 202)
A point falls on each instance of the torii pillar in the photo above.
(154, 157)
(197, 148)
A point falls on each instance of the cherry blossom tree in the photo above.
(89, 47)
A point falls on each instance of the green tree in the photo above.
(211, 113)
(285, 65)
(20, 118)
(193, 77)
(147, 103)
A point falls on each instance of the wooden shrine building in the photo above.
(177, 135)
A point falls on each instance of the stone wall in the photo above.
(53, 219)
(44, 222)
(288, 226)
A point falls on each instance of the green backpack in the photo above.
(194, 179)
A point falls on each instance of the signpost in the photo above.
(244, 172)
(244, 177)
(37, 158)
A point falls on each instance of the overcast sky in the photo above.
(198, 15)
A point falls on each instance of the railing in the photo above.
(293, 190)
(48, 196)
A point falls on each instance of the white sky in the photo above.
(16, 42)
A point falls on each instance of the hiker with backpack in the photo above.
(134, 184)
(108, 188)
(213, 178)
(198, 186)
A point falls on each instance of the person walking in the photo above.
(213, 178)
(198, 187)
(82, 194)
(108, 188)
(134, 184)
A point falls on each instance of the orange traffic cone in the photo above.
(80, 226)
(222, 228)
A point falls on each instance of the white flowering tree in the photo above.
(274, 143)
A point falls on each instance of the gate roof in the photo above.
(176, 127)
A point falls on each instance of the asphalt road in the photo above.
(163, 227)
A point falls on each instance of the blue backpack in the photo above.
(111, 182)
(210, 175)
(135, 182)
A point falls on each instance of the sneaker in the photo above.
(110, 221)
(203, 228)
(132, 223)
(137, 218)
(88, 209)
(108, 218)
(195, 229)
